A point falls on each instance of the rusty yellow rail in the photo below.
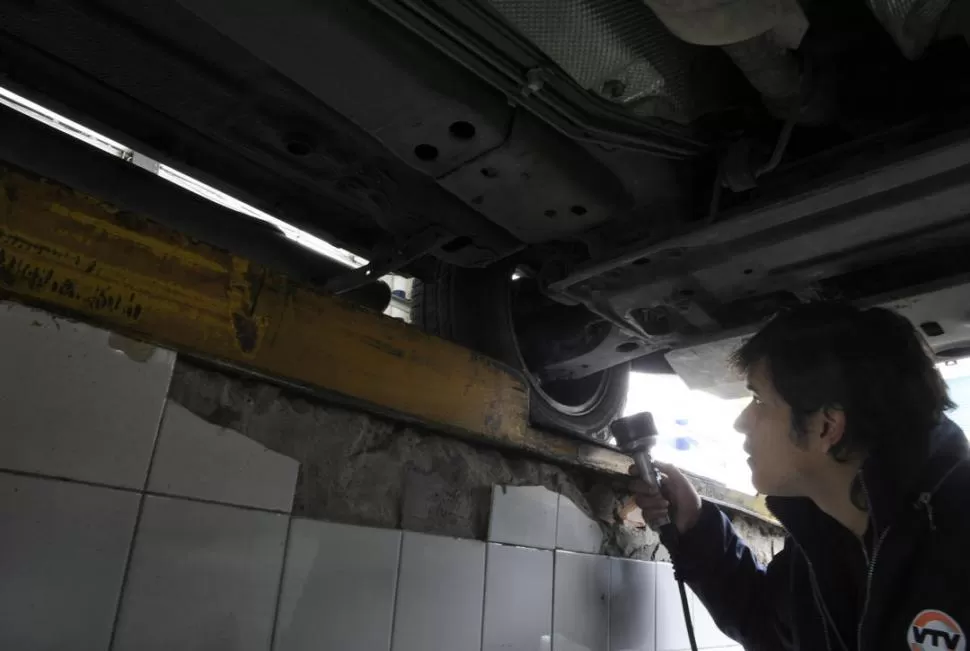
(78, 255)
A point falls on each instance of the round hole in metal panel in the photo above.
(456, 244)
(426, 152)
(298, 144)
(931, 328)
(627, 347)
(462, 130)
(613, 88)
(489, 172)
(578, 210)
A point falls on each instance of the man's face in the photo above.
(779, 466)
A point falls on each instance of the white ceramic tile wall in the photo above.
(73, 405)
(576, 531)
(633, 606)
(524, 515)
(338, 588)
(83, 404)
(202, 576)
(518, 599)
(439, 594)
(196, 459)
(581, 602)
(63, 548)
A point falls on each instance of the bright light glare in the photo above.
(301, 237)
(696, 429)
(956, 373)
(70, 127)
(61, 123)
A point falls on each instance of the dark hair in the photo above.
(871, 364)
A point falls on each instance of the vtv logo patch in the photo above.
(934, 630)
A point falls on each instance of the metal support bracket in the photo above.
(388, 257)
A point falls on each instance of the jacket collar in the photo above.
(894, 484)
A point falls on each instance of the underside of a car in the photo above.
(579, 186)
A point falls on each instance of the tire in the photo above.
(472, 307)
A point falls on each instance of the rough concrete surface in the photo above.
(363, 469)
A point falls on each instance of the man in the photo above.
(846, 436)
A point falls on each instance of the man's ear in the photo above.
(832, 421)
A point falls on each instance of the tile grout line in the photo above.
(552, 614)
(656, 608)
(68, 480)
(555, 533)
(397, 589)
(279, 586)
(127, 571)
(138, 517)
(555, 561)
(160, 425)
(145, 492)
(656, 611)
(202, 500)
(158, 434)
(481, 631)
(609, 603)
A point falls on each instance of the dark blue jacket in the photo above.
(825, 591)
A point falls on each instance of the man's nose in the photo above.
(741, 423)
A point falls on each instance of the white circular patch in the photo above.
(934, 630)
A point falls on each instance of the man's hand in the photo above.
(679, 494)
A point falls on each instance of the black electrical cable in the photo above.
(670, 538)
(687, 619)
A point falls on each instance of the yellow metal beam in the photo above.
(76, 254)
